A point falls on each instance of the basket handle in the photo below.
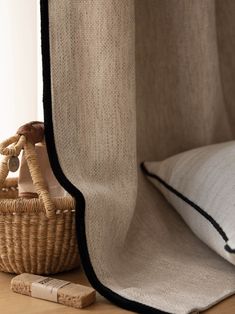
(27, 136)
(12, 150)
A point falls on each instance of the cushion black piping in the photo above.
(80, 201)
(229, 249)
(192, 204)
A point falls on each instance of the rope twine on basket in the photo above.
(27, 136)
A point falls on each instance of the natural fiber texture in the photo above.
(36, 235)
(38, 180)
(19, 142)
(25, 184)
(3, 170)
(170, 67)
(73, 295)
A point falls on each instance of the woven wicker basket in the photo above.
(37, 235)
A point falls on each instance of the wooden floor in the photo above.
(12, 303)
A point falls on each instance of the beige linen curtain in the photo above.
(127, 81)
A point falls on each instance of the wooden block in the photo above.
(51, 289)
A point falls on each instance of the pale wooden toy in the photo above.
(73, 295)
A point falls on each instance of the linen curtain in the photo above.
(127, 81)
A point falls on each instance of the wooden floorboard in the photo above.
(12, 303)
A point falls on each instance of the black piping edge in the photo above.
(229, 249)
(80, 200)
(192, 204)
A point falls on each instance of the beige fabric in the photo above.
(169, 66)
(205, 177)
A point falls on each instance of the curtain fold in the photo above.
(127, 81)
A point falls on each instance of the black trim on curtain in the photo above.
(80, 200)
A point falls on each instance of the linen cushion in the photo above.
(200, 184)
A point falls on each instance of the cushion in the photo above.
(200, 184)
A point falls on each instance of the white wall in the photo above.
(19, 76)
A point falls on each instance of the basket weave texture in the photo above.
(37, 235)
